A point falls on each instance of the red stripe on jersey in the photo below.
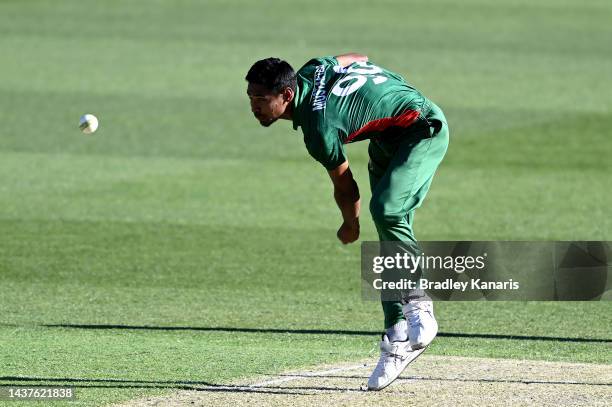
(403, 120)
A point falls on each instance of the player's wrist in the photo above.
(353, 223)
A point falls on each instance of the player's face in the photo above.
(267, 106)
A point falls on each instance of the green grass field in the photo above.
(181, 211)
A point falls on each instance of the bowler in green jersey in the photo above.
(344, 99)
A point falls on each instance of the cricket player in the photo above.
(345, 99)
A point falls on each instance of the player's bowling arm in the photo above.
(345, 60)
(347, 197)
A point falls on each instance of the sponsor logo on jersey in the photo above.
(319, 95)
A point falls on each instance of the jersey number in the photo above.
(360, 73)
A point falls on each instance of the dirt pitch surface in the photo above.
(429, 381)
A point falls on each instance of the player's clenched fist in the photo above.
(348, 232)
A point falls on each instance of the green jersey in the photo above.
(336, 105)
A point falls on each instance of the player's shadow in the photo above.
(322, 332)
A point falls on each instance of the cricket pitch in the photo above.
(429, 381)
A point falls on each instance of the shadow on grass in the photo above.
(83, 383)
(321, 332)
(212, 387)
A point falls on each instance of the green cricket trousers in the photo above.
(400, 176)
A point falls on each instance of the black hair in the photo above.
(273, 73)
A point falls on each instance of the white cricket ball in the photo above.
(88, 123)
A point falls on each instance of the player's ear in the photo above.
(288, 94)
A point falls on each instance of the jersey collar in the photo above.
(297, 105)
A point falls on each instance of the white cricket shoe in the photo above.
(394, 357)
(422, 325)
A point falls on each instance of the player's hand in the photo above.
(348, 232)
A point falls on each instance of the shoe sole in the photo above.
(416, 354)
(421, 345)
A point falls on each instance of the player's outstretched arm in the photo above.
(345, 60)
(347, 197)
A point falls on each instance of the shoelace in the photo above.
(394, 355)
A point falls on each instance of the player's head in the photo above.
(271, 89)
